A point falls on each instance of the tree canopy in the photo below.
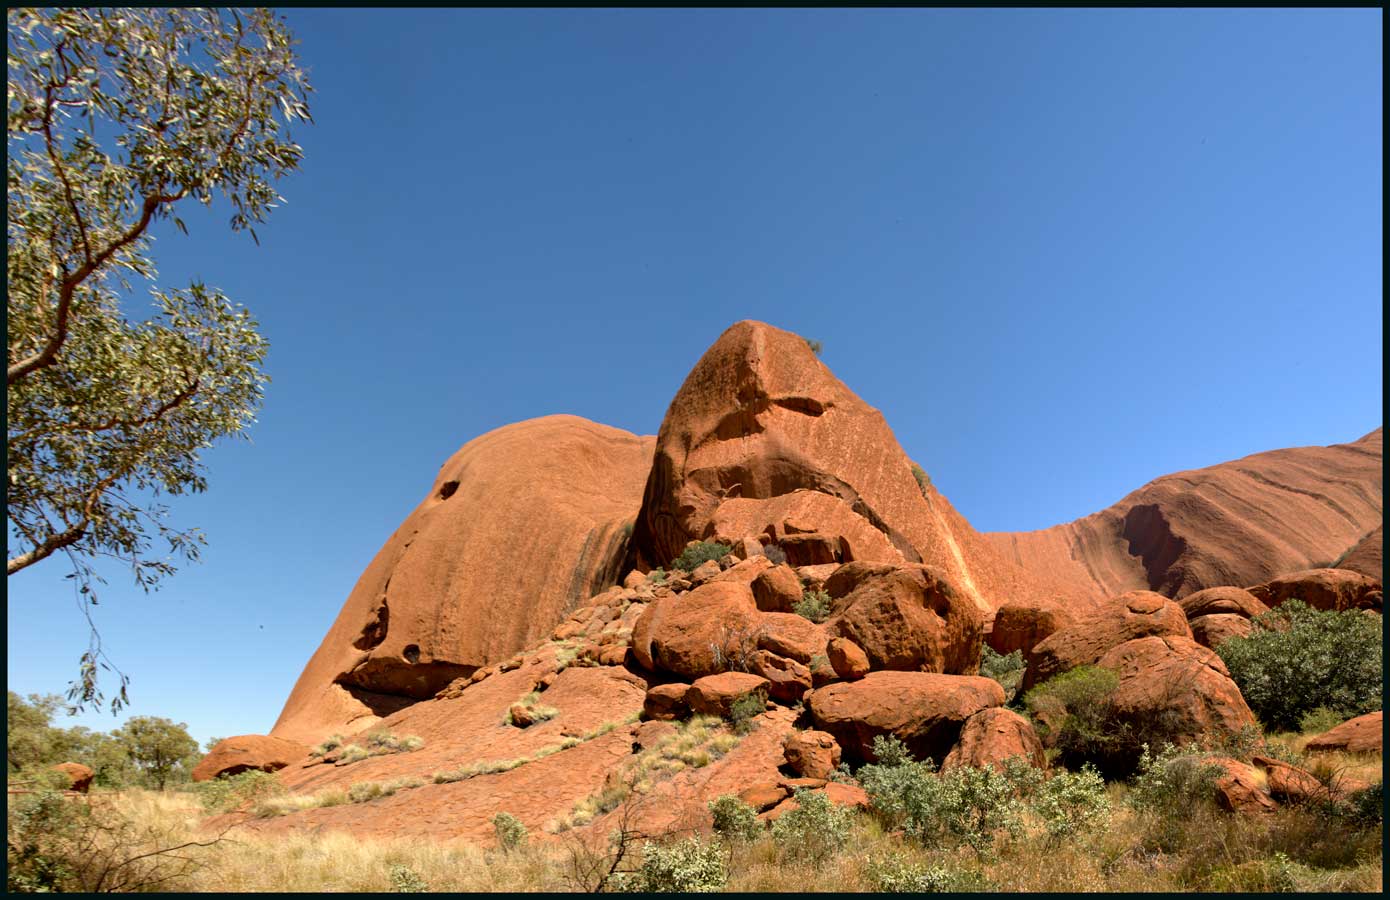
(115, 118)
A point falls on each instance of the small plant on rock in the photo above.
(702, 552)
(735, 820)
(813, 605)
(745, 709)
(1005, 669)
(511, 834)
(923, 479)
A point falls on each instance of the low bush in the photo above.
(896, 873)
(1319, 720)
(228, 792)
(1071, 803)
(735, 820)
(1005, 669)
(686, 866)
(1172, 780)
(745, 709)
(405, 880)
(1298, 659)
(699, 553)
(511, 834)
(813, 605)
(813, 832)
(923, 479)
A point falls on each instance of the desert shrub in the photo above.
(813, 605)
(405, 880)
(687, 866)
(1368, 806)
(745, 709)
(816, 346)
(1319, 720)
(511, 834)
(658, 575)
(735, 820)
(228, 792)
(1005, 669)
(330, 744)
(896, 873)
(1071, 803)
(1173, 779)
(923, 479)
(813, 832)
(775, 554)
(1298, 659)
(695, 554)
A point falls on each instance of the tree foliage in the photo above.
(161, 749)
(115, 118)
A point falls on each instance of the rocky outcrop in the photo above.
(1132, 615)
(925, 710)
(1367, 556)
(1214, 630)
(812, 754)
(245, 752)
(1363, 734)
(1241, 522)
(1241, 788)
(762, 439)
(1326, 589)
(1222, 601)
(520, 525)
(715, 695)
(1022, 627)
(993, 735)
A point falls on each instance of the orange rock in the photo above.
(1241, 788)
(715, 695)
(993, 735)
(908, 618)
(79, 776)
(1133, 615)
(763, 796)
(1291, 784)
(787, 679)
(777, 589)
(244, 752)
(1023, 627)
(1366, 556)
(812, 754)
(790, 635)
(745, 572)
(1363, 734)
(925, 710)
(1211, 631)
(697, 633)
(1176, 681)
(1325, 589)
(847, 659)
(1222, 601)
(1240, 522)
(446, 594)
(847, 795)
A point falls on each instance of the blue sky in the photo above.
(1064, 252)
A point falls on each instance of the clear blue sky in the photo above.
(1064, 252)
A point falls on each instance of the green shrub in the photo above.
(1298, 659)
(405, 880)
(228, 792)
(735, 820)
(658, 575)
(511, 834)
(745, 709)
(816, 346)
(699, 553)
(895, 873)
(1072, 803)
(923, 479)
(813, 605)
(1319, 720)
(1174, 779)
(688, 866)
(813, 832)
(1005, 669)
(1368, 805)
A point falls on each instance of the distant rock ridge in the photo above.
(1236, 523)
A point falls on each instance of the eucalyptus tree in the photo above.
(118, 119)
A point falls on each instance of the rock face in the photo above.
(1222, 601)
(715, 695)
(812, 754)
(1133, 615)
(1367, 556)
(1020, 627)
(1363, 734)
(1214, 630)
(79, 776)
(1242, 522)
(762, 439)
(245, 752)
(906, 617)
(992, 736)
(520, 525)
(1327, 589)
(925, 710)
(1240, 788)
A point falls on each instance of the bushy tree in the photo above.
(162, 750)
(115, 118)
(1297, 659)
(691, 557)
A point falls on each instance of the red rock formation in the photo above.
(245, 752)
(1222, 601)
(992, 736)
(1020, 627)
(715, 695)
(812, 754)
(1240, 788)
(1133, 615)
(1363, 734)
(1214, 630)
(1366, 556)
(1326, 589)
(79, 776)
(763, 439)
(520, 525)
(1240, 522)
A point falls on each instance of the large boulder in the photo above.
(777, 589)
(925, 710)
(709, 630)
(1363, 734)
(1290, 784)
(1241, 788)
(79, 776)
(1240, 522)
(1132, 615)
(762, 439)
(906, 617)
(520, 525)
(1022, 627)
(1325, 589)
(245, 752)
(992, 736)
(715, 695)
(1173, 688)
(1214, 630)
(1220, 601)
(812, 754)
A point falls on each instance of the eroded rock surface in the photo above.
(245, 752)
(1135, 614)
